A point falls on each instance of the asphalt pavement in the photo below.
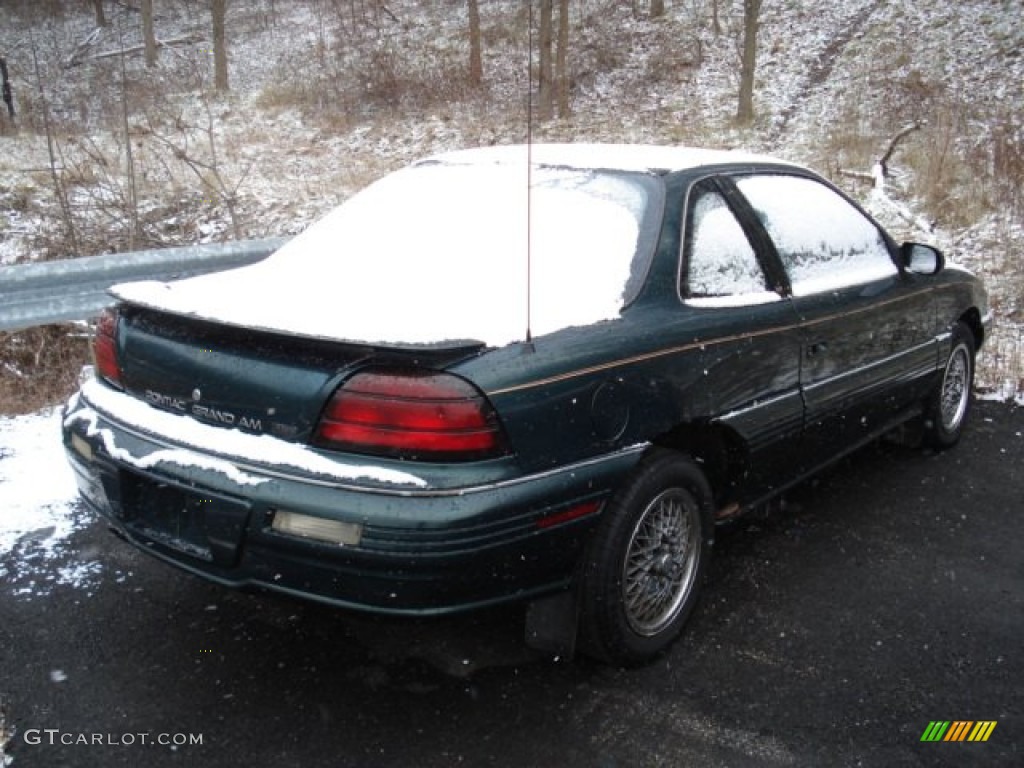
(881, 598)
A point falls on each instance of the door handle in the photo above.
(817, 349)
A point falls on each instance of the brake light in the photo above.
(104, 348)
(427, 416)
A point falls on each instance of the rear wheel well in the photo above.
(717, 450)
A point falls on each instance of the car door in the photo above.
(750, 350)
(867, 333)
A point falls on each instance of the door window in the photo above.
(823, 241)
(721, 265)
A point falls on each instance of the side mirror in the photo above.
(921, 259)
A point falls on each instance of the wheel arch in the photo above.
(972, 319)
(718, 451)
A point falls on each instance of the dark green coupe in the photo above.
(538, 374)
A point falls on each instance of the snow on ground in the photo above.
(38, 510)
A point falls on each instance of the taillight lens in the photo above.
(104, 348)
(427, 416)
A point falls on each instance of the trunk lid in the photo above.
(256, 381)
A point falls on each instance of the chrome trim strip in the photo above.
(877, 364)
(755, 406)
(368, 489)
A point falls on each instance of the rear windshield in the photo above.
(439, 253)
(451, 229)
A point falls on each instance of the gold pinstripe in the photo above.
(707, 343)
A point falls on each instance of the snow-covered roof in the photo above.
(622, 157)
(441, 251)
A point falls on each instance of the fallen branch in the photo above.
(859, 175)
(186, 40)
(877, 178)
(76, 55)
(884, 160)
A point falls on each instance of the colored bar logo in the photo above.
(958, 730)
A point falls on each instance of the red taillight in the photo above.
(432, 416)
(104, 348)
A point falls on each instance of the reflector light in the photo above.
(104, 348)
(566, 515)
(319, 528)
(411, 415)
(81, 447)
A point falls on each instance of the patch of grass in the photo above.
(368, 82)
(40, 367)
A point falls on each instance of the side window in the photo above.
(823, 241)
(720, 261)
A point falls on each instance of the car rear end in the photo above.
(370, 477)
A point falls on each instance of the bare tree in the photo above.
(132, 187)
(476, 66)
(148, 33)
(218, 9)
(101, 18)
(546, 94)
(56, 169)
(553, 77)
(562, 59)
(203, 158)
(716, 23)
(751, 23)
(7, 92)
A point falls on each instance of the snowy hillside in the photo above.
(326, 96)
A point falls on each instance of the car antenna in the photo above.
(529, 178)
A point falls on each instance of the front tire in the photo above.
(645, 564)
(950, 402)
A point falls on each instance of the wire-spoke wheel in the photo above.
(951, 400)
(644, 565)
(661, 562)
(956, 388)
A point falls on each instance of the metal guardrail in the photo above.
(75, 289)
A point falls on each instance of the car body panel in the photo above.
(867, 353)
(423, 549)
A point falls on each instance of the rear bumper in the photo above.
(420, 550)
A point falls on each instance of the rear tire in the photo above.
(645, 564)
(950, 402)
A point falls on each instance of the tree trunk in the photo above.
(220, 52)
(476, 66)
(745, 107)
(716, 23)
(657, 8)
(7, 92)
(562, 58)
(101, 18)
(546, 94)
(148, 33)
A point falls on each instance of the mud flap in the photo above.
(552, 624)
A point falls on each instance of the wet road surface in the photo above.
(881, 597)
